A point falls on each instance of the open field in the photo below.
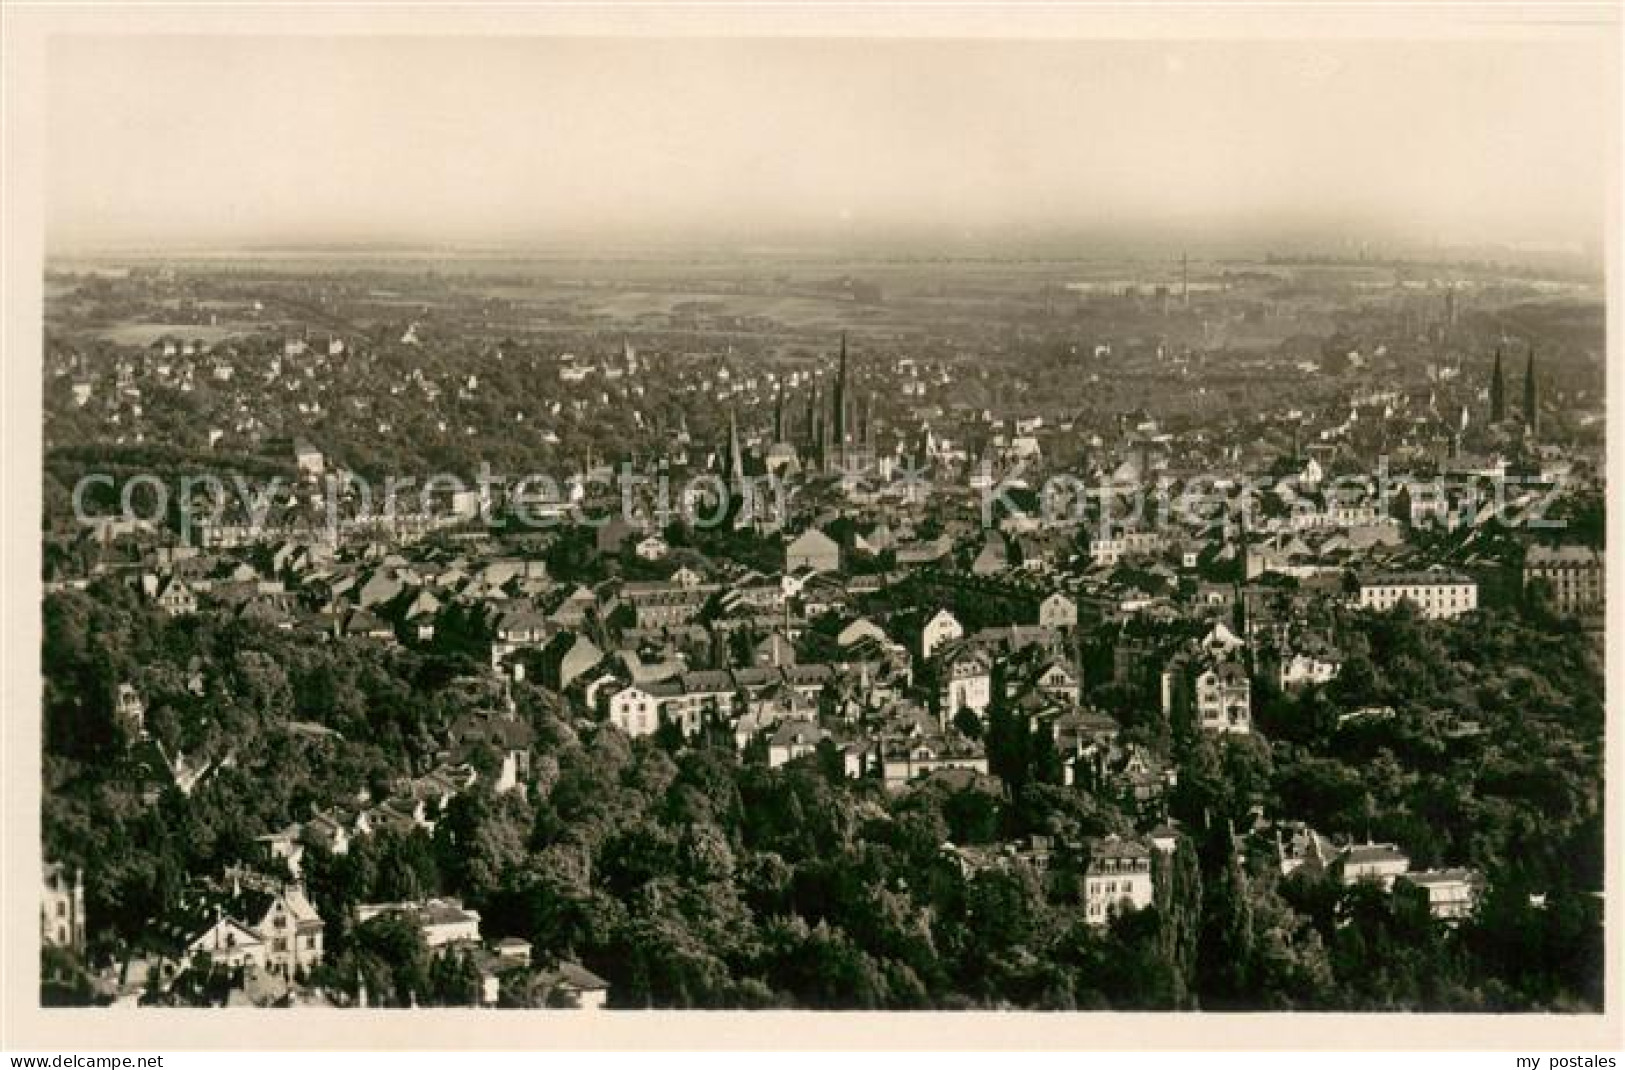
(144, 334)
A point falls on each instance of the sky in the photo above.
(214, 141)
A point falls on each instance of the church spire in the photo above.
(1498, 392)
(842, 431)
(1531, 396)
(736, 459)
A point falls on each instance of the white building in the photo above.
(1304, 670)
(441, 921)
(967, 684)
(1221, 642)
(812, 549)
(229, 943)
(1451, 893)
(942, 628)
(1224, 699)
(1118, 878)
(62, 908)
(634, 711)
(1437, 595)
(652, 548)
(292, 931)
(308, 459)
(1057, 610)
(1381, 862)
(1107, 552)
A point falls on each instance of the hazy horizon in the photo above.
(511, 143)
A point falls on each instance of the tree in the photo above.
(453, 980)
(388, 954)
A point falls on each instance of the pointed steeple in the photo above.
(778, 415)
(1498, 392)
(842, 431)
(1531, 396)
(736, 459)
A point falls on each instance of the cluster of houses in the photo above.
(876, 624)
(1450, 894)
(254, 940)
(1115, 873)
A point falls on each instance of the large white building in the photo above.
(634, 711)
(1436, 595)
(1118, 878)
(1380, 862)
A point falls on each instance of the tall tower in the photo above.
(842, 432)
(1185, 279)
(1498, 392)
(1531, 396)
(736, 459)
(778, 415)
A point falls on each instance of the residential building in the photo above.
(1572, 575)
(1304, 670)
(966, 682)
(62, 908)
(1224, 698)
(575, 987)
(793, 739)
(943, 627)
(1381, 862)
(441, 921)
(1451, 894)
(1057, 610)
(288, 925)
(1437, 595)
(634, 711)
(1117, 878)
(812, 549)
